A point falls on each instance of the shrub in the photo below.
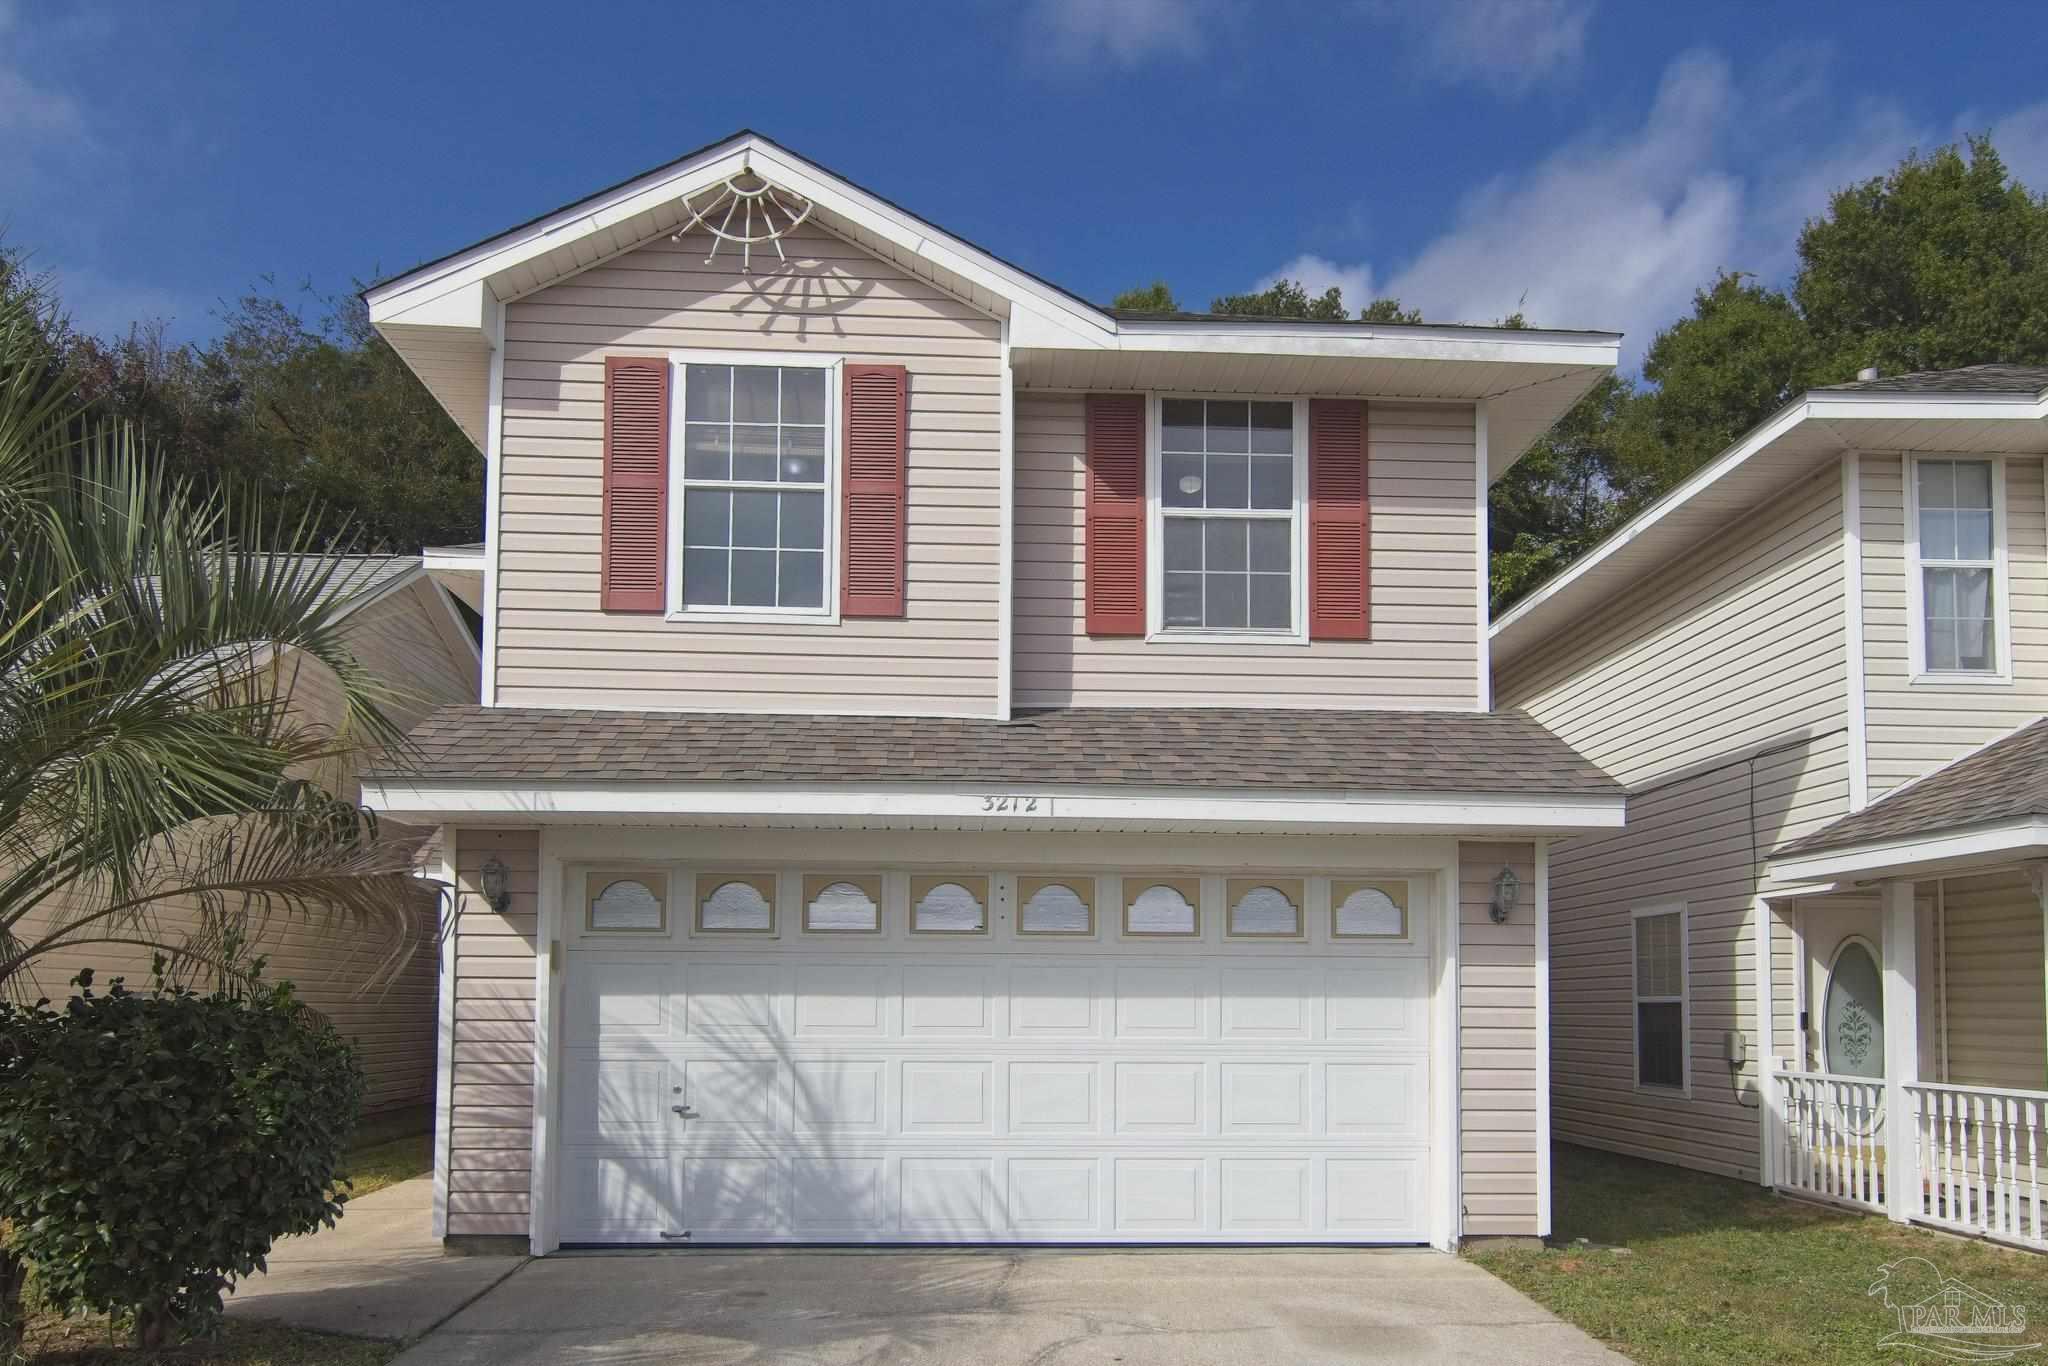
(152, 1147)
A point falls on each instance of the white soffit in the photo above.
(1787, 447)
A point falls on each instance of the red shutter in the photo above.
(632, 578)
(875, 494)
(1339, 522)
(1115, 569)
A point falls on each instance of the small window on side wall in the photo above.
(1162, 906)
(1368, 910)
(842, 904)
(1660, 989)
(948, 905)
(735, 903)
(1264, 908)
(626, 902)
(1056, 905)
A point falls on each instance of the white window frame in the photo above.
(827, 613)
(1683, 1000)
(2001, 580)
(1156, 628)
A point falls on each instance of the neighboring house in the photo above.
(957, 764)
(406, 632)
(1816, 665)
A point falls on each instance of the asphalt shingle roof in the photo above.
(1991, 378)
(2003, 781)
(1237, 748)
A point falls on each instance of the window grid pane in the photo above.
(754, 486)
(1659, 963)
(1957, 550)
(1229, 456)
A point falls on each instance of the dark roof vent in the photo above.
(1867, 373)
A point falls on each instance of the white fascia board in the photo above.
(466, 307)
(1851, 407)
(2024, 838)
(407, 800)
(1066, 316)
(1342, 343)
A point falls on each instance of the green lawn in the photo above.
(386, 1164)
(1684, 1269)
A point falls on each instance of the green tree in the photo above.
(1285, 299)
(1573, 487)
(1388, 310)
(1156, 297)
(300, 398)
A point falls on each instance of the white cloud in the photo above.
(1510, 46)
(2021, 137)
(1317, 273)
(1124, 33)
(106, 306)
(34, 117)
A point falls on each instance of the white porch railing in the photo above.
(1831, 1128)
(1981, 1152)
(1976, 1156)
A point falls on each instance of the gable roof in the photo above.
(2005, 780)
(1987, 409)
(445, 317)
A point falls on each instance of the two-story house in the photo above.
(956, 764)
(1814, 957)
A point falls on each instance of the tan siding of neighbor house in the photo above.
(1423, 651)
(491, 1119)
(1915, 727)
(556, 648)
(1497, 1043)
(1996, 1031)
(1717, 692)
(376, 988)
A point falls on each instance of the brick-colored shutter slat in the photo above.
(1115, 509)
(633, 575)
(874, 509)
(1339, 522)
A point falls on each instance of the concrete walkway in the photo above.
(1053, 1308)
(379, 1272)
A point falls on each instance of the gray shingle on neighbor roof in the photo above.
(2005, 780)
(1969, 379)
(1503, 753)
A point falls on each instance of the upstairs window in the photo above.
(756, 456)
(1230, 477)
(1957, 521)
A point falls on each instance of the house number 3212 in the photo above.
(1024, 805)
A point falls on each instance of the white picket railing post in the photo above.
(1901, 1049)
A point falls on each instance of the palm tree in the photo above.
(149, 749)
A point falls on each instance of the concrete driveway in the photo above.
(1053, 1308)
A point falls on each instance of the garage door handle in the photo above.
(685, 1111)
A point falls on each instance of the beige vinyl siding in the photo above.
(556, 648)
(1995, 1031)
(491, 1116)
(1689, 840)
(1738, 642)
(376, 988)
(1497, 1043)
(1915, 727)
(1424, 619)
(1717, 691)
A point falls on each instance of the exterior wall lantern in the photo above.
(494, 877)
(1507, 890)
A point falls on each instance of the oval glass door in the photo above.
(1854, 1014)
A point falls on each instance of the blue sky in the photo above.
(1590, 161)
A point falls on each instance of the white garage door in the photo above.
(997, 1085)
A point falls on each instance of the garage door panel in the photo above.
(1162, 1002)
(1054, 1195)
(1056, 1001)
(1054, 1096)
(610, 1197)
(1160, 1197)
(1374, 1197)
(949, 1001)
(615, 1099)
(1160, 1097)
(1261, 1003)
(621, 997)
(843, 1000)
(945, 1195)
(736, 1197)
(1266, 1098)
(1376, 1099)
(729, 999)
(837, 1199)
(1377, 1000)
(731, 1096)
(846, 1097)
(1263, 1197)
(948, 1098)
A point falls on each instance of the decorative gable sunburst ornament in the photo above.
(755, 204)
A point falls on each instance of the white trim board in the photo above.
(1050, 809)
(1852, 626)
(2024, 837)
